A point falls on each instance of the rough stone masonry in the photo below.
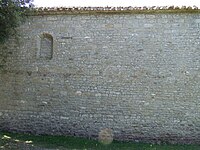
(76, 74)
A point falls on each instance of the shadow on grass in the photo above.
(26, 141)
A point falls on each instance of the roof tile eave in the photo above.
(130, 9)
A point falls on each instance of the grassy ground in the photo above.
(30, 142)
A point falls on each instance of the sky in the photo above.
(93, 3)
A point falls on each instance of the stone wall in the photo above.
(136, 74)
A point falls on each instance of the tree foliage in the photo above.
(12, 13)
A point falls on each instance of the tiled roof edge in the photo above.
(130, 9)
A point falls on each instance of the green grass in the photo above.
(25, 141)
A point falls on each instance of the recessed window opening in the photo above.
(46, 46)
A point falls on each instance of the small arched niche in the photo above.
(46, 46)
